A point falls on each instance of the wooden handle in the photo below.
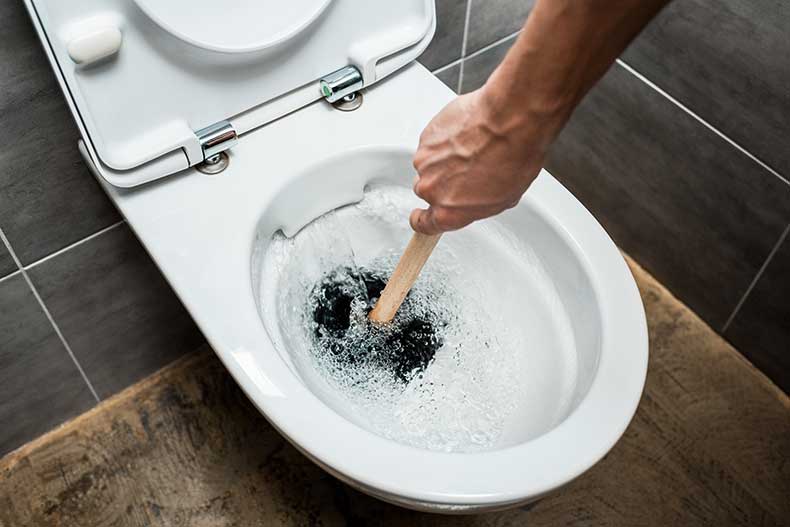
(409, 266)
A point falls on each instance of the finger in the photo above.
(447, 219)
(422, 220)
(415, 186)
(424, 190)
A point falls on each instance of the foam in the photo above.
(506, 367)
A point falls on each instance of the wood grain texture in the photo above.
(709, 445)
(403, 277)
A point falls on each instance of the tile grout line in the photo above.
(10, 275)
(493, 44)
(756, 279)
(22, 269)
(73, 245)
(702, 121)
(463, 46)
(447, 66)
(480, 51)
(476, 53)
(48, 315)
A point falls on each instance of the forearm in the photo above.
(565, 47)
(480, 154)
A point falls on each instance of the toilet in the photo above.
(215, 126)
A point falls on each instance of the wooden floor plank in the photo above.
(709, 446)
(729, 408)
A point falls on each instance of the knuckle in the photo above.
(419, 190)
(426, 189)
(447, 219)
(418, 159)
(425, 134)
(425, 222)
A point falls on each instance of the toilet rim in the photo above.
(502, 476)
(203, 248)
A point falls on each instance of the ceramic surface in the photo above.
(201, 231)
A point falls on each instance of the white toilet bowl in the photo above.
(207, 233)
(204, 232)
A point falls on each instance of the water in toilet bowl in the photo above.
(480, 356)
(346, 341)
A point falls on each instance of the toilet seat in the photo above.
(146, 85)
(201, 229)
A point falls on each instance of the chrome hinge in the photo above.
(215, 139)
(340, 83)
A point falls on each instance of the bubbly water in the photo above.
(480, 355)
(340, 303)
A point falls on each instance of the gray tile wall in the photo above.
(7, 265)
(682, 153)
(729, 62)
(40, 385)
(84, 312)
(761, 325)
(48, 198)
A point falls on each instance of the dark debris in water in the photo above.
(405, 347)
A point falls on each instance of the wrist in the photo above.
(525, 114)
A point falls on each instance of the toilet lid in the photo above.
(143, 76)
(234, 26)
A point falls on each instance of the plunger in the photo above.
(406, 272)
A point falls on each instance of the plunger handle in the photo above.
(409, 266)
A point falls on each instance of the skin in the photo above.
(480, 154)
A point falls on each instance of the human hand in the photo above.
(473, 162)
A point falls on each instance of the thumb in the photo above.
(422, 220)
